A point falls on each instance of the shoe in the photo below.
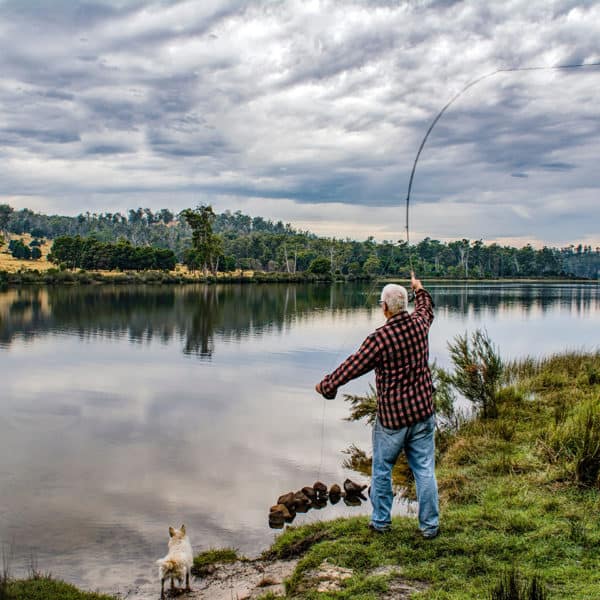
(431, 536)
(378, 530)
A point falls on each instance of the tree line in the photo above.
(91, 254)
(208, 241)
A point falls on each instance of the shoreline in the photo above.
(53, 277)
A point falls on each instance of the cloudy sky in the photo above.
(308, 111)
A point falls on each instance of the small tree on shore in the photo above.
(477, 370)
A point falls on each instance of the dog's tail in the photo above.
(167, 566)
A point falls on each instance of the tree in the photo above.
(165, 215)
(320, 266)
(36, 253)
(208, 246)
(19, 250)
(5, 212)
(372, 265)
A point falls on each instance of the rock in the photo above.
(352, 500)
(300, 498)
(302, 502)
(287, 499)
(352, 488)
(281, 509)
(276, 521)
(309, 492)
(318, 503)
(335, 490)
(320, 488)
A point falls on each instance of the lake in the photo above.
(124, 410)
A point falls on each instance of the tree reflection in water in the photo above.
(197, 314)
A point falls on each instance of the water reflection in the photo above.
(194, 315)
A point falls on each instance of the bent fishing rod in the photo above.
(456, 97)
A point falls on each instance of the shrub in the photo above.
(477, 370)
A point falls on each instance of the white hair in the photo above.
(395, 296)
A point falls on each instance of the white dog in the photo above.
(177, 564)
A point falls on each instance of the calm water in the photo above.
(126, 410)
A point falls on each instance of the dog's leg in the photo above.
(172, 584)
(187, 581)
(162, 588)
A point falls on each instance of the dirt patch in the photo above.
(330, 578)
(240, 580)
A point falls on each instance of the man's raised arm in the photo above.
(423, 301)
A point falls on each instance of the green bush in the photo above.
(478, 370)
(320, 266)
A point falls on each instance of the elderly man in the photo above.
(399, 353)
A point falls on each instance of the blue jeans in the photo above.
(418, 443)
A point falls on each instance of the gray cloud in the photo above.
(312, 104)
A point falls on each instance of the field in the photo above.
(10, 264)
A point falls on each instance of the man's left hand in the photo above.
(318, 389)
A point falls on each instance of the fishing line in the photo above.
(456, 97)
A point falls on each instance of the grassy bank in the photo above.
(44, 588)
(511, 497)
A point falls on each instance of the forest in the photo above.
(240, 241)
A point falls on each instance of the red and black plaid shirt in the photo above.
(399, 353)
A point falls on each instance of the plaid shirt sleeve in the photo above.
(362, 361)
(423, 307)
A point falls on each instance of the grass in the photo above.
(506, 504)
(45, 588)
(204, 561)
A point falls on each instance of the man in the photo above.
(399, 353)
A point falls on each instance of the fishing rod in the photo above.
(456, 97)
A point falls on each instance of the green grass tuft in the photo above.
(205, 560)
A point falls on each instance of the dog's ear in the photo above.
(171, 531)
(182, 529)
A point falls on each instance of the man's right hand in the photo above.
(415, 283)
